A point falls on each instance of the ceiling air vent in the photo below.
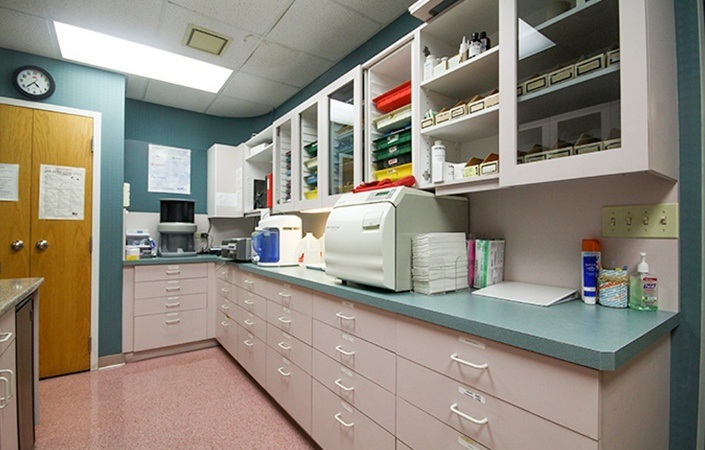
(205, 40)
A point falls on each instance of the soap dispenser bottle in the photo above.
(643, 288)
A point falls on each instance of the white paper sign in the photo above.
(62, 192)
(169, 170)
(9, 182)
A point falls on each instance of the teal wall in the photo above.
(94, 90)
(687, 338)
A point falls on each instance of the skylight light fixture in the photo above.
(97, 49)
(531, 41)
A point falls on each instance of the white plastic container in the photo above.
(438, 160)
(308, 251)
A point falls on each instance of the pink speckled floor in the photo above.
(195, 400)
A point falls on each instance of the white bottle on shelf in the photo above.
(438, 161)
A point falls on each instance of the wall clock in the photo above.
(33, 82)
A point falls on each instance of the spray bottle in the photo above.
(590, 261)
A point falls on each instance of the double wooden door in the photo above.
(46, 159)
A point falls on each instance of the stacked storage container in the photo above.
(393, 149)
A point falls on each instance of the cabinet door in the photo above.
(309, 159)
(258, 167)
(225, 181)
(8, 399)
(285, 153)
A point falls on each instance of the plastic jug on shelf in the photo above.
(308, 251)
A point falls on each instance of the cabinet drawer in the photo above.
(149, 289)
(369, 323)
(161, 330)
(252, 354)
(176, 303)
(229, 308)
(170, 272)
(402, 446)
(251, 302)
(562, 392)
(369, 360)
(289, 347)
(225, 273)
(353, 388)
(7, 330)
(423, 432)
(226, 290)
(226, 333)
(290, 386)
(252, 283)
(289, 320)
(252, 324)
(502, 425)
(292, 297)
(337, 425)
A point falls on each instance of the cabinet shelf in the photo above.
(474, 76)
(468, 127)
(264, 155)
(464, 185)
(594, 88)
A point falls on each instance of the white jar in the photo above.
(438, 161)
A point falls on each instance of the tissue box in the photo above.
(489, 262)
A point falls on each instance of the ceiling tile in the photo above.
(256, 89)
(323, 28)
(134, 20)
(26, 33)
(225, 106)
(34, 7)
(178, 96)
(254, 16)
(278, 63)
(136, 87)
(175, 24)
(380, 11)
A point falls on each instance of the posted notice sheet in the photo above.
(169, 170)
(9, 182)
(62, 192)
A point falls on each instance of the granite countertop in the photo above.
(14, 290)
(175, 260)
(590, 335)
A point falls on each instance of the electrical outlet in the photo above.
(641, 221)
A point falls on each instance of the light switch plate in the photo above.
(641, 221)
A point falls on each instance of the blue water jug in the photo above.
(266, 244)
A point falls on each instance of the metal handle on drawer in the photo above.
(281, 371)
(173, 288)
(224, 306)
(248, 343)
(5, 336)
(172, 305)
(173, 272)
(250, 282)
(224, 323)
(344, 317)
(226, 290)
(172, 321)
(7, 386)
(248, 322)
(249, 302)
(5, 400)
(342, 422)
(340, 349)
(284, 347)
(455, 410)
(284, 320)
(455, 358)
(342, 386)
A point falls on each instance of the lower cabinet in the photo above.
(8, 396)
(290, 386)
(252, 354)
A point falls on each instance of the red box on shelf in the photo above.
(394, 98)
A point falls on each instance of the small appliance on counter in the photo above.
(238, 249)
(275, 240)
(368, 234)
(142, 240)
(176, 227)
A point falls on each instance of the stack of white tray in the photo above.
(439, 262)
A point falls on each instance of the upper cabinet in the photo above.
(225, 181)
(285, 159)
(308, 132)
(258, 169)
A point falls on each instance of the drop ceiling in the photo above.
(277, 46)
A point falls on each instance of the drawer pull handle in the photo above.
(173, 288)
(455, 358)
(226, 290)
(172, 321)
(250, 282)
(224, 323)
(455, 410)
(284, 347)
(284, 320)
(224, 306)
(172, 305)
(344, 317)
(281, 371)
(248, 343)
(284, 295)
(342, 422)
(249, 302)
(173, 272)
(6, 337)
(6, 387)
(248, 322)
(346, 353)
(342, 386)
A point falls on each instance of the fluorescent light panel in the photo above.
(97, 49)
(531, 41)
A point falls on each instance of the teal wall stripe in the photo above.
(94, 90)
(686, 339)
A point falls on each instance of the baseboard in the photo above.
(172, 350)
(108, 361)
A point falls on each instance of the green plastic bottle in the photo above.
(643, 288)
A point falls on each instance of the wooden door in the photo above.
(15, 154)
(65, 141)
(54, 154)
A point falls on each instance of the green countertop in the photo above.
(174, 260)
(590, 335)
(14, 290)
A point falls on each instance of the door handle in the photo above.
(42, 245)
(17, 245)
